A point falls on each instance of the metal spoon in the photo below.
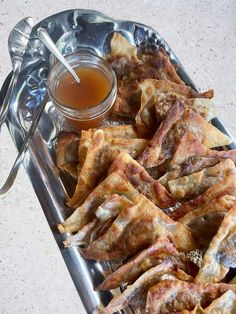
(47, 41)
(20, 157)
(17, 43)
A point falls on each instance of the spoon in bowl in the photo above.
(47, 41)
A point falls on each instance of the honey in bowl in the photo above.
(93, 88)
(87, 104)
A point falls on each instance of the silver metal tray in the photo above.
(73, 30)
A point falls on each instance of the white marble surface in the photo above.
(33, 275)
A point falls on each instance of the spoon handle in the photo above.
(20, 157)
(47, 41)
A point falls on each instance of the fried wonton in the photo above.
(142, 181)
(118, 131)
(136, 293)
(196, 183)
(167, 137)
(131, 68)
(140, 263)
(173, 296)
(226, 304)
(115, 183)
(158, 97)
(205, 221)
(100, 155)
(67, 152)
(135, 228)
(226, 186)
(190, 147)
(191, 165)
(154, 255)
(104, 216)
(158, 66)
(192, 156)
(123, 55)
(221, 254)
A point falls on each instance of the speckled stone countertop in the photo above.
(33, 276)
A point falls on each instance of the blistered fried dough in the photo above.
(221, 254)
(100, 155)
(205, 221)
(196, 183)
(158, 97)
(136, 293)
(226, 186)
(189, 166)
(135, 228)
(168, 135)
(119, 131)
(120, 47)
(115, 183)
(67, 152)
(130, 70)
(104, 216)
(173, 296)
(190, 147)
(226, 304)
(157, 66)
(140, 263)
(142, 181)
(127, 102)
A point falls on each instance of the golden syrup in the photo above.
(94, 87)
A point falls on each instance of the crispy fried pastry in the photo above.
(136, 293)
(205, 221)
(226, 304)
(157, 66)
(157, 98)
(190, 147)
(100, 155)
(144, 260)
(221, 254)
(168, 135)
(131, 68)
(123, 55)
(67, 152)
(104, 216)
(118, 131)
(142, 181)
(173, 296)
(115, 183)
(226, 186)
(135, 228)
(196, 183)
(189, 166)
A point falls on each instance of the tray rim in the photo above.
(31, 166)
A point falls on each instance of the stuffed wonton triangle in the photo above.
(168, 135)
(136, 293)
(173, 296)
(157, 98)
(221, 254)
(115, 183)
(205, 220)
(67, 153)
(142, 181)
(100, 155)
(104, 216)
(196, 183)
(135, 228)
(226, 186)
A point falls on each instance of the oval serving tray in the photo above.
(73, 30)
